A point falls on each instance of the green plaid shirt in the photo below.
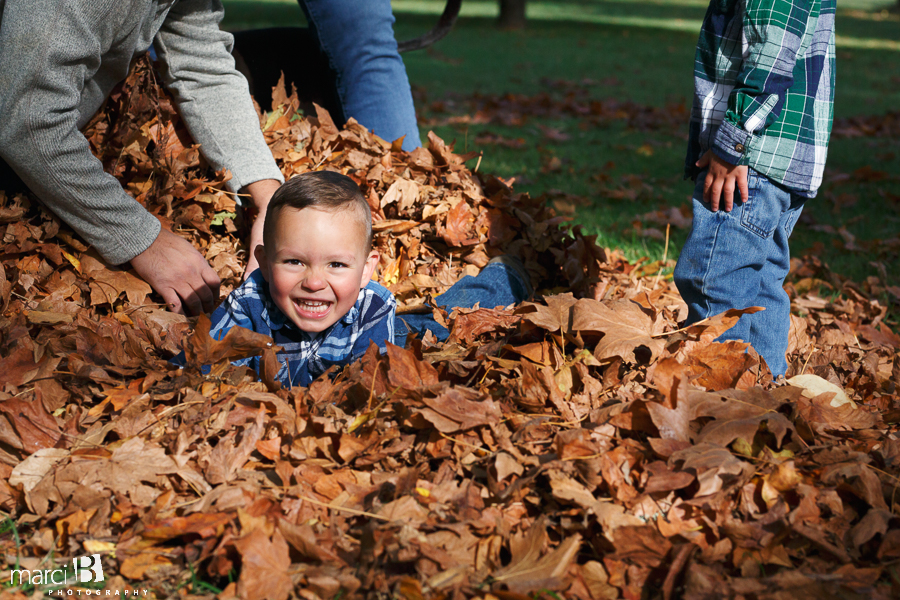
(764, 89)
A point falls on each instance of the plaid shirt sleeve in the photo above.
(773, 32)
(376, 325)
(764, 88)
(243, 307)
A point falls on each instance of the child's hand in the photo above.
(721, 179)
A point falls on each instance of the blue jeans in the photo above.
(739, 259)
(496, 285)
(358, 38)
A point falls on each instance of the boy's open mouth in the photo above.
(312, 308)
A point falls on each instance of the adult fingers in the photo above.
(191, 300)
(173, 302)
(205, 296)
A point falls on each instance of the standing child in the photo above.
(760, 123)
(313, 292)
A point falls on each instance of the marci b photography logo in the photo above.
(85, 569)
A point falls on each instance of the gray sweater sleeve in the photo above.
(48, 54)
(212, 96)
(50, 73)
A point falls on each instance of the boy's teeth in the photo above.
(313, 305)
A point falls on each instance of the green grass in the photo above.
(640, 52)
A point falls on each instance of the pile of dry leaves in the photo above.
(577, 446)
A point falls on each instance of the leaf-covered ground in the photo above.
(581, 445)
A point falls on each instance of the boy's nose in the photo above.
(314, 280)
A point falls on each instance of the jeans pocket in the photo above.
(793, 216)
(762, 211)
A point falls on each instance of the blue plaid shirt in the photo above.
(764, 89)
(305, 356)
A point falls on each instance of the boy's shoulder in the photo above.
(374, 302)
(373, 287)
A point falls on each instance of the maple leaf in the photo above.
(21, 366)
(713, 465)
(108, 283)
(457, 226)
(469, 325)
(458, 409)
(624, 326)
(408, 372)
(36, 428)
(554, 315)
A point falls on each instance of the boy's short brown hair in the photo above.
(317, 189)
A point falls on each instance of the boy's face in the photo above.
(318, 264)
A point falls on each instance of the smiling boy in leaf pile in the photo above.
(313, 292)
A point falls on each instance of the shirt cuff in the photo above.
(241, 177)
(143, 230)
(731, 143)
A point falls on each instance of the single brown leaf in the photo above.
(623, 324)
(555, 315)
(642, 545)
(36, 427)
(458, 409)
(408, 372)
(528, 571)
(206, 525)
(265, 563)
(239, 342)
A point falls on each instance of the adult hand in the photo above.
(721, 181)
(260, 194)
(179, 273)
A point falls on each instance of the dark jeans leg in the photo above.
(496, 285)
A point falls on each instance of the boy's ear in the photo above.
(260, 253)
(371, 263)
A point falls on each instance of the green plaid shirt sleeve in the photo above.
(764, 88)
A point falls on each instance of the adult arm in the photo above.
(211, 95)
(47, 55)
(773, 31)
(214, 101)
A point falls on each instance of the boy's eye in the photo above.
(292, 261)
(337, 265)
